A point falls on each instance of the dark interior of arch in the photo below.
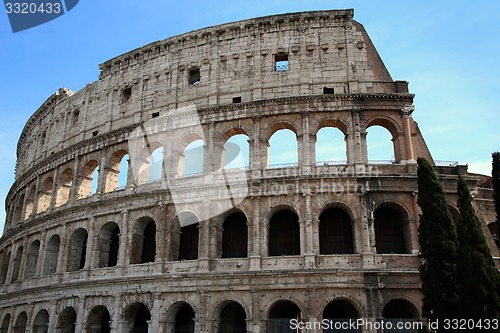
(67, 320)
(235, 236)
(340, 309)
(284, 234)
(188, 242)
(52, 255)
(41, 322)
(4, 268)
(335, 232)
(109, 243)
(5, 323)
(184, 320)
(232, 319)
(141, 319)
(389, 232)
(99, 320)
(285, 309)
(399, 308)
(149, 243)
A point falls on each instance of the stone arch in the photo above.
(18, 210)
(108, 244)
(5, 323)
(64, 187)
(280, 313)
(32, 261)
(403, 311)
(138, 317)
(235, 235)
(192, 154)
(117, 167)
(230, 317)
(329, 149)
(99, 320)
(5, 266)
(393, 128)
(45, 195)
(30, 202)
(340, 310)
(236, 149)
(181, 318)
(284, 233)
(17, 264)
(21, 322)
(185, 236)
(150, 163)
(77, 250)
(455, 213)
(89, 177)
(279, 155)
(336, 234)
(51, 255)
(391, 222)
(67, 320)
(41, 322)
(143, 243)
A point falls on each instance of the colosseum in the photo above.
(134, 210)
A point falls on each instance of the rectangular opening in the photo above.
(126, 94)
(328, 91)
(194, 76)
(237, 99)
(281, 62)
(94, 133)
(155, 114)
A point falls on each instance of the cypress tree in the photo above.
(438, 247)
(495, 176)
(478, 279)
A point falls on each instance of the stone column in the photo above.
(406, 115)
(24, 258)
(76, 180)
(55, 182)
(91, 241)
(103, 172)
(124, 239)
(41, 254)
(209, 155)
(309, 255)
(304, 149)
(162, 233)
(80, 314)
(254, 238)
(254, 145)
(156, 326)
(36, 196)
(203, 245)
(8, 274)
(358, 146)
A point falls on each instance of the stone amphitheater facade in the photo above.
(312, 240)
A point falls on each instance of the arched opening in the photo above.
(283, 149)
(77, 250)
(280, 315)
(236, 152)
(51, 255)
(380, 145)
(143, 246)
(331, 146)
(21, 322)
(188, 237)
(184, 319)
(403, 312)
(5, 324)
(232, 319)
(30, 200)
(138, 317)
(117, 173)
(109, 242)
(390, 225)
(235, 236)
(284, 234)
(45, 195)
(89, 179)
(99, 320)
(41, 322)
(340, 311)
(18, 210)
(335, 232)
(32, 261)
(64, 187)
(67, 320)
(17, 264)
(192, 159)
(493, 228)
(5, 267)
(156, 165)
(455, 214)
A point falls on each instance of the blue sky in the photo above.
(448, 50)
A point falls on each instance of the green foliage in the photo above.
(438, 247)
(478, 279)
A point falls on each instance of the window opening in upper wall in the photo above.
(281, 62)
(194, 76)
(126, 95)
